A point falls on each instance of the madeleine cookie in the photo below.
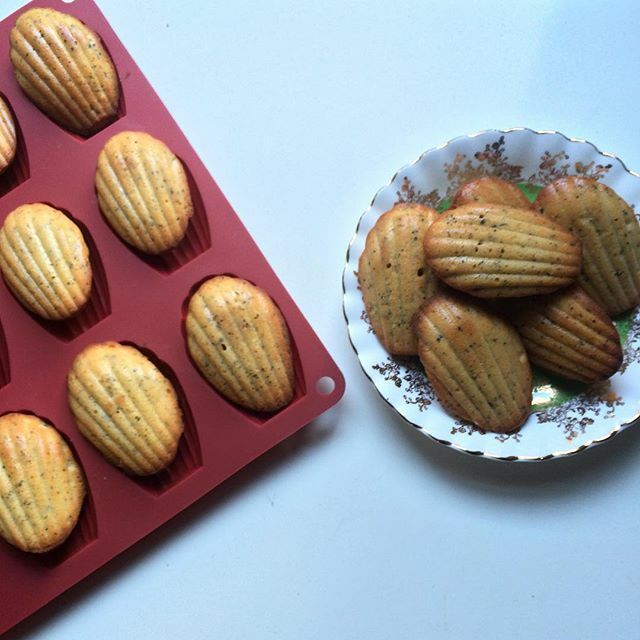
(610, 235)
(239, 340)
(125, 407)
(45, 261)
(41, 484)
(476, 363)
(571, 335)
(8, 142)
(491, 190)
(62, 66)
(493, 251)
(393, 275)
(143, 192)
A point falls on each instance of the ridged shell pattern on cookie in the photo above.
(570, 334)
(61, 64)
(475, 361)
(125, 407)
(143, 192)
(610, 236)
(240, 342)
(8, 140)
(42, 487)
(394, 276)
(493, 251)
(45, 261)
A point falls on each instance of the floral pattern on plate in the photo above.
(566, 418)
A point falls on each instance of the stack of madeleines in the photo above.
(121, 401)
(497, 283)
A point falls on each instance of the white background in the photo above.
(359, 527)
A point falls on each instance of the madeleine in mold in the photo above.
(125, 407)
(240, 342)
(8, 140)
(45, 261)
(42, 487)
(61, 64)
(143, 192)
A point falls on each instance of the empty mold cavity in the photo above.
(189, 457)
(98, 306)
(258, 418)
(5, 371)
(196, 241)
(18, 171)
(83, 534)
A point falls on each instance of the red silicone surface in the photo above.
(140, 301)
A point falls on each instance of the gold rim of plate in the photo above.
(618, 428)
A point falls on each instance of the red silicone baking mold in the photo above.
(140, 301)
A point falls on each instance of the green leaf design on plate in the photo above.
(530, 190)
(623, 325)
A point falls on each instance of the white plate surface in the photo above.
(566, 419)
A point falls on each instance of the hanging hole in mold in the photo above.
(18, 171)
(325, 386)
(258, 418)
(83, 534)
(196, 241)
(188, 457)
(97, 308)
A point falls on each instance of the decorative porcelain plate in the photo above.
(566, 417)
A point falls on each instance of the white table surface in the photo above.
(359, 527)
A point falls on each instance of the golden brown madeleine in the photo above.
(570, 334)
(491, 190)
(125, 407)
(45, 261)
(8, 143)
(61, 65)
(475, 361)
(41, 484)
(393, 275)
(143, 191)
(239, 340)
(610, 236)
(494, 251)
